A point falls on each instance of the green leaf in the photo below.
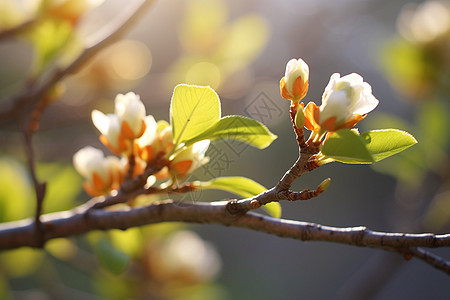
(111, 258)
(348, 147)
(244, 187)
(238, 128)
(273, 209)
(193, 109)
(386, 142)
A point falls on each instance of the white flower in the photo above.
(109, 127)
(294, 84)
(98, 170)
(346, 97)
(131, 113)
(345, 102)
(150, 133)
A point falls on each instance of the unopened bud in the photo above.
(299, 119)
(294, 84)
(324, 185)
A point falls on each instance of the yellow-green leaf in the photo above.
(193, 110)
(386, 142)
(346, 146)
(238, 128)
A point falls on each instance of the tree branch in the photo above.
(84, 219)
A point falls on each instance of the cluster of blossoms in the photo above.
(133, 136)
(346, 100)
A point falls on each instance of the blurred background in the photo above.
(239, 48)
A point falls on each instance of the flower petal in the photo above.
(311, 113)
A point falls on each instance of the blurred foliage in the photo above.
(214, 50)
(16, 194)
(49, 40)
(417, 61)
(417, 64)
(119, 67)
(63, 187)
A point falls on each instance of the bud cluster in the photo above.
(130, 134)
(345, 101)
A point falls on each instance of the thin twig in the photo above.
(430, 258)
(39, 187)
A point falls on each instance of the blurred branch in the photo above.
(369, 280)
(84, 219)
(39, 187)
(111, 34)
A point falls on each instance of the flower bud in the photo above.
(131, 113)
(294, 84)
(324, 185)
(189, 159)
(299, 119)
(345, 102)
(101, 173)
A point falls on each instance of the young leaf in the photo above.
(238, 128)
(386, 142)
(193, 109)
(348, 147)
(244, 187)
